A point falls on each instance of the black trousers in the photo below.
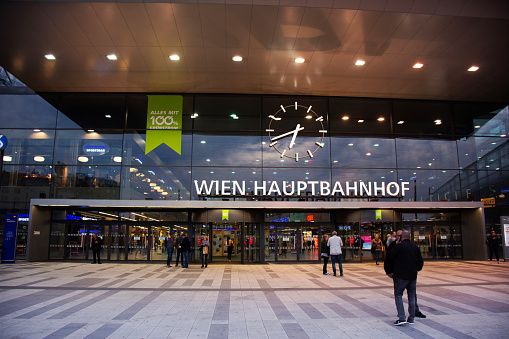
(97, 253)
(325, 262)
(494, 250)
(180, 255)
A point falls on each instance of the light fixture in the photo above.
(401, 122)
(50, 57)
(381, 119)
(234, 116)
(502, 135)
(418, 65)
(83, 159)
(300, 60)
(7, 158)
(345, 117)
(175, 57)
(107, 116)
(438, 122)
(368, 154)
(473, 68)
(203, 142)
(38, 158)
(117, 159)
(360, 63)
(152, 184)
(194, 116)
(37, 130)
(111, 57)
(237, 58)
(360, 121)
(376, 145)
(208, 160)
(160, 190)
(157, 187)
(90, 130)
(164, 193)
(350, 144)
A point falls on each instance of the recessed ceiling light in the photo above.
(473, 69)
(350, 144)
(203, 142)
(91, 130)
(477, 126)
(381, 119)
(7, 158)
(360, 63)
(237, 58)
(438, 122)
(300, 60)
(368, 154)
(117, 159)
(175, 57)
(82, 159)
(37, 130)
(360, 121)
(194, 116)
(108, 116)
(50, 57)
(111, 57)
(418, 65)
(401, 122)
(346, 117)
(39, 158)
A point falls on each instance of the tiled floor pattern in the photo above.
(78, 300)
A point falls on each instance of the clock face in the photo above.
(296, 131)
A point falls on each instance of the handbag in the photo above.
(205, 250)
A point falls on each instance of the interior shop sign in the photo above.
(321, 188)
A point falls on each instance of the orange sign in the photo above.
(488, 202)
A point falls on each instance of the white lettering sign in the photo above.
(289, 188)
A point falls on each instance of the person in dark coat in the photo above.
(178, 244)
(96, 248)
(325, 250)
(169, 248)
(185, 247)
(493, 245)
(405, 261)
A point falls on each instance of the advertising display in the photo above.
(9, 241)
(504, 221)
(366, 244)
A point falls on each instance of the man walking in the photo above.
(406, 260)
(169, 248)
(335, 244)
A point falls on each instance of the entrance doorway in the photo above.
(221, 233)
(437, 241)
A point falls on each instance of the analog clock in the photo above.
(296, 131)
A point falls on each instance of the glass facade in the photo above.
(92, 146)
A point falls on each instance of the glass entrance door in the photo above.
(287, 243)
(437, 241)
(222, 233)
(117, 251)
(138, 243)
(252, 243)
(310, 243)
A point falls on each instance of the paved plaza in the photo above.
(78, 300)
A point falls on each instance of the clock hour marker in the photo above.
(310, 154)
(283, 153)
(319, 119)
(320, 144)
(272, 143)
(296, 156)
(284, 110)
(295, 105)
(323, 131)
(274, 118)
(309, 109)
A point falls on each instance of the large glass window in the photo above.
(87, 182)
(426, 153)
(363, 152)
(235, 149)
(34, 146)
(431, 185)
(19, 111)
(421, 118)
(363, 116)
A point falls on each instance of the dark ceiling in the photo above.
(447, 36)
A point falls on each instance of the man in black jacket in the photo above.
(404, 261)
(96, 248)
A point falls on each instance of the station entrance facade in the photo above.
(259, 234)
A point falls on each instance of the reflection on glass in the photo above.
(426, 154)
(363, 152)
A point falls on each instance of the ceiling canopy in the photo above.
(390, 36)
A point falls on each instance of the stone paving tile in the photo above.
(462, 299)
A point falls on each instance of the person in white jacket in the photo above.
(335, 244)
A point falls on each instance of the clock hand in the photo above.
(288, 133)
(294, 136)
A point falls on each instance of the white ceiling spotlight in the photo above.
(112, 57)
(237, 58)
(175, 57)
(300, 60)
(50, 57)
(360, 63)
